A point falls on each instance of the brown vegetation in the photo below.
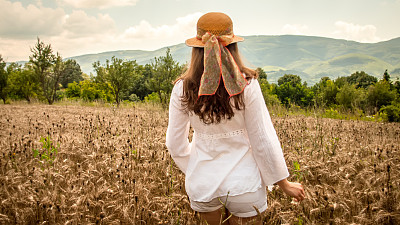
(110, 166)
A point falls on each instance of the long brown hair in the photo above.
(211, 108)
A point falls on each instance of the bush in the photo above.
(153, 98)
(267, 90)
(91, 91)
(391, 113)
(332, 113)
(349, 97)
(73, 90)
(271, 100)
(290, 90)
(380, 94)
(134, 98)
(60, 94)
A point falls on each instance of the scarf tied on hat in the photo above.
(218, 62)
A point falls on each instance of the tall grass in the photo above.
(112, 167)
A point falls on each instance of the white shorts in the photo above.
(240, 205)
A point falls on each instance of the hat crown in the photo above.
(216, 23)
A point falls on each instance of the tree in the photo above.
(325, 92)
(340, 81)
(396, 86)
(139, 85)
(72, 72)
(48, 69)
(268, 90)
(361, 79)
(349, 97)
(23, 83)
(391, 113)
(118, 74)
(386, 76)
(73, 90)
(57, 72)
(317, 87)
(380, 95)
(261, 73)
(290, 90)
(289, 78)
(164, 71)
(3, 80)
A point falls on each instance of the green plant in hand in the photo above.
(48, 153)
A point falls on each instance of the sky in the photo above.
(77, 27)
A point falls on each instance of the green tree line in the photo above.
(359, 92)
(49, 78)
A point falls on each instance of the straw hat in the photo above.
(216, 23)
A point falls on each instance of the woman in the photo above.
(235, 152)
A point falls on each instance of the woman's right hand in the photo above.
(292, 189)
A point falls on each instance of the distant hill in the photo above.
(180, 53)
(307, 56)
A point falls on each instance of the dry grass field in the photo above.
(100, 165)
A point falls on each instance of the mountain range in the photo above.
(309, 57)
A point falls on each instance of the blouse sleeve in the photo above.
(177, 140)
(264, 141)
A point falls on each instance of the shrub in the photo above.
(391, 113)
(134, 98)
(153, 98)
(60, 94)
(349, 97)
(380, 94)
(73, 90)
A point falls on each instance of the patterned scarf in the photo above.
(218, 62)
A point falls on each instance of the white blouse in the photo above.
(229, 158)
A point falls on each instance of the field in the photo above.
(71, 164)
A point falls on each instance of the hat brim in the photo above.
(194, 42)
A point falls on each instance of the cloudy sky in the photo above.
(76, 27)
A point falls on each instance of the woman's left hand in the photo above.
(292, 189)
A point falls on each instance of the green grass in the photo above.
(332, 113)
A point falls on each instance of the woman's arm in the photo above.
(264, 141)
(177, 140)
(265, 144)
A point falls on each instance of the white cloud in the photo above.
(361, 33)
(143, 36)
(297, 29)
(83, 34)
(101, 4)
(39, 3)
(188, 23)
(26, 22)
(183, 26)
(15, 50)
(68, 34)
(154, 37)
(79, 24)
